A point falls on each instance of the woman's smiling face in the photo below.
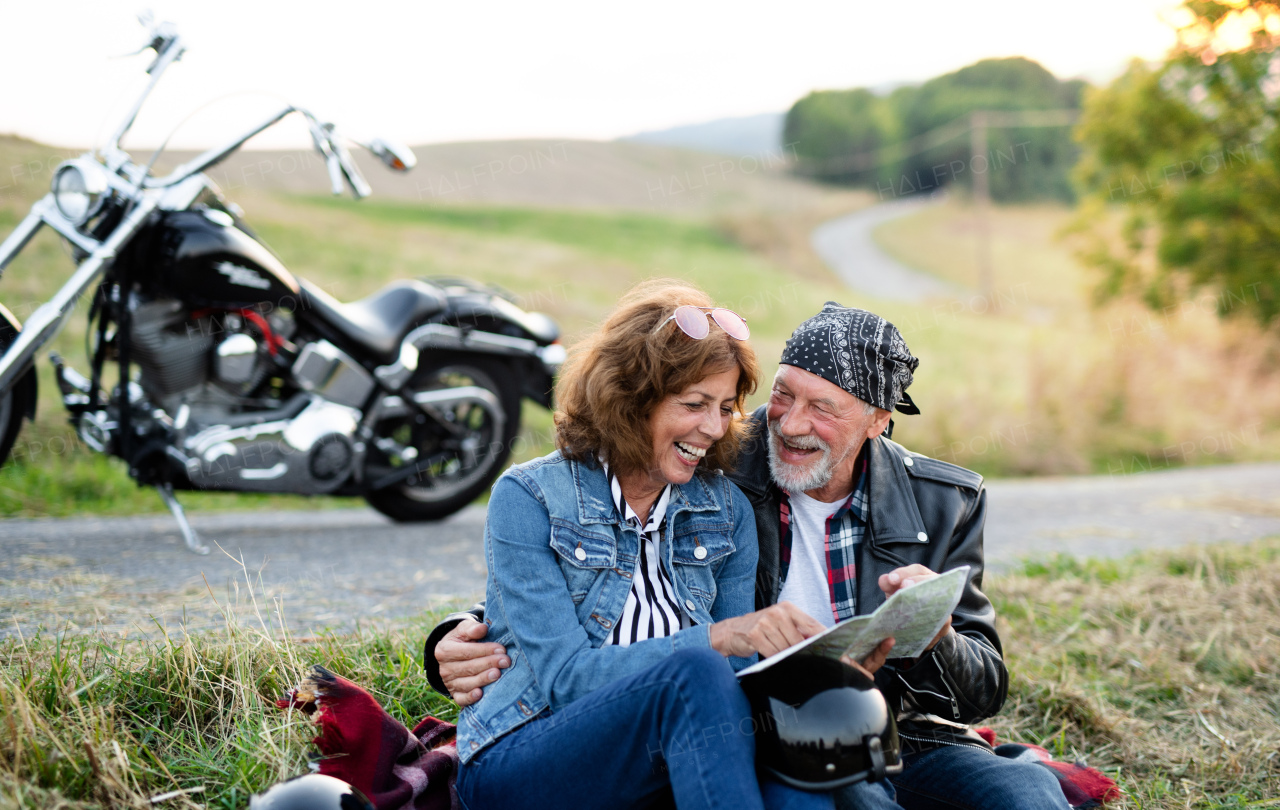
(685, 425)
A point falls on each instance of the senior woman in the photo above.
(621, 582)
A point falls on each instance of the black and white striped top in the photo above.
(651, 610)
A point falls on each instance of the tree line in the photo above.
(891, 133)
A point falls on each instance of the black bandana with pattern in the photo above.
(857, 350)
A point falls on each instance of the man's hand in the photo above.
(905, 577)
(467, 664)
(768, 631)
(874, 660)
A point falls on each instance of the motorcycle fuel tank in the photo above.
(206, 260)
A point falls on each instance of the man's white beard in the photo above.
(796, 478)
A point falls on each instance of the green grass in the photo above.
(619, 234)
(101, 722)
(1161, 669)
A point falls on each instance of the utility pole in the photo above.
(976, 123)
(982, 203)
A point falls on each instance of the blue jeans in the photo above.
(680, 729)
(969, 778)
(866, 796)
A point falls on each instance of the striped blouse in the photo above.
(651, 610)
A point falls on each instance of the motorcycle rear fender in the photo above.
(10, 326)
(538, 376)
(536, 365)
(472, 307)
(472, 304)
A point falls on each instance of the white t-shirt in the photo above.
(806, 585)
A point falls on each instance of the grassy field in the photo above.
(1032, 380)
(1101, 389)
(1161, 670)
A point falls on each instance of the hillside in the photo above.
(541, 173)
(743, 135)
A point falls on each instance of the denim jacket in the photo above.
(560, 565)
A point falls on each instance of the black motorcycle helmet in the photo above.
(820, 724)
(311, 791)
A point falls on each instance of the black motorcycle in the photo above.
(235, 375)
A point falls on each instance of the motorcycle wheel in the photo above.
(10, 422)
(15, 404)
(449, 459)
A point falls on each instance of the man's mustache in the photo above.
(804, 442)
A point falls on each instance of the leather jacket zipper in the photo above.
(946, 683)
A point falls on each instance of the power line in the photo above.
(885, 155)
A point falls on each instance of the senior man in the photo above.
(845, 518)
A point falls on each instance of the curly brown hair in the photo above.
(615, 379)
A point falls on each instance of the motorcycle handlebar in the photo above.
(341, 167)
(169, 46)
(350, 171)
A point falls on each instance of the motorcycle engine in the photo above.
(212, 362)
(226, 378)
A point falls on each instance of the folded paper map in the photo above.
(911, 617)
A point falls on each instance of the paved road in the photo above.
(845, 244)
(329, 568)
(333, 568)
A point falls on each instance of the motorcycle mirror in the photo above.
(396, 156)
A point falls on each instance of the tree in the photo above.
(1042, 159)
(1190, 149)
(829, 124)
(830, 127)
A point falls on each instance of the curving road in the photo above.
(847, 246)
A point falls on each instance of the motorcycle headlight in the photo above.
(79, 188)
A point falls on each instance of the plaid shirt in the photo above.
(844, 532)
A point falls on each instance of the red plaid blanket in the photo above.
(1084, 787)
(364, 746)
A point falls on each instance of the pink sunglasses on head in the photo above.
(693, 321)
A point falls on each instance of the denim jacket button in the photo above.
(580, 554)
(907, 461)
(700, 552)
(689, 604)
(922, 537)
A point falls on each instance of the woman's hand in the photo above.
(768, 631)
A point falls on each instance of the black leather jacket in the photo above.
(922, 511)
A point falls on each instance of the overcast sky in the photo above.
(430, 71)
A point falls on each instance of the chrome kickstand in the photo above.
(188, 533)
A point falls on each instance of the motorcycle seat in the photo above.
(380, 321)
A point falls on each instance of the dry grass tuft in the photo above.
(181, 720)
(1163, 669)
